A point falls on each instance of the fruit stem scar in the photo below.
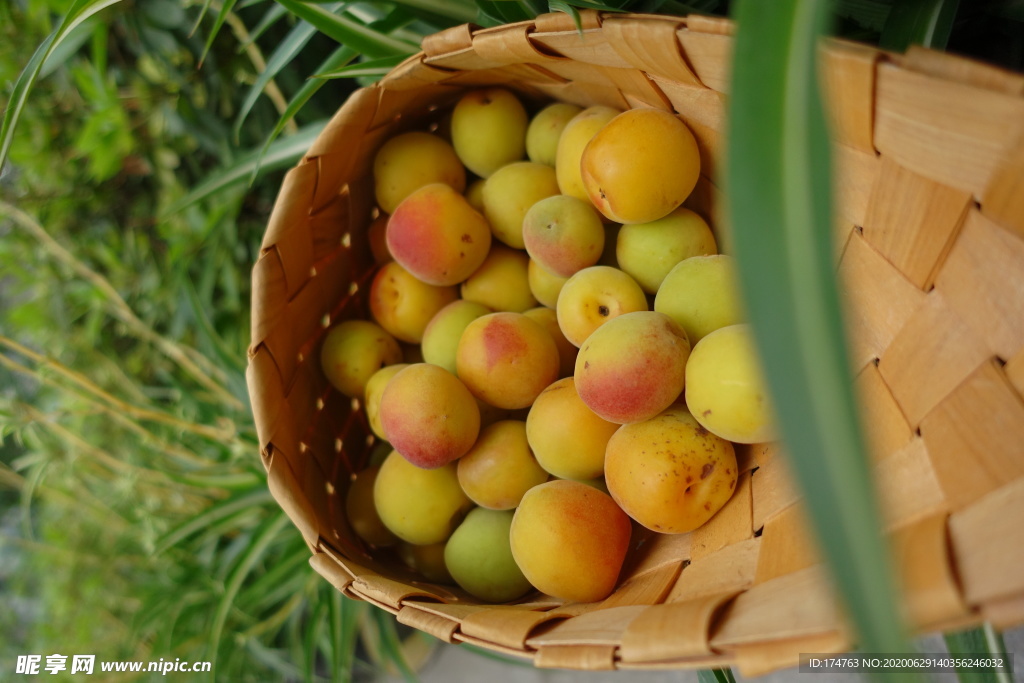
(603, 310)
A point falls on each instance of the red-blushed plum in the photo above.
(506, 359)
(429, 416)
(633, 367)
(437, 236)
(563, 234)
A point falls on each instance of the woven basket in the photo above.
(929, 245)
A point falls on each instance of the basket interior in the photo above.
(929, 245)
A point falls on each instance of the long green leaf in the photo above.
(341, 56)
(70, 45)
(255, 550)
(778, 188)
(391, 645)
(350, 32)
(312, 631)
(222, 15)
(283, 54)
(281, 154)
(272, 16)
(370, 67)
(209, 516)
(229, 359)
(344, 617)
(80, 11)
(459, 11)
(920, 22)
(715, 676)
(983, 642)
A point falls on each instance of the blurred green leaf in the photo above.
(70, 45)
(273, 15)
(983, 642)
(350, 32)
(281, 154)
(79, 12)
(391, 645)
(311, 638)
(458, 11)
(778, 189)
(283, 54)
(867, 13)
(563, 6)
(919, 22)
(370, 67)
(253, 553)
(715, 676)
(342, 622)
(222, 15)
(211, 515)
(341, 56)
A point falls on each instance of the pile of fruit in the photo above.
(556, 351)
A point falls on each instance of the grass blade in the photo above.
(391, 645)
(921, 22)
(779, 196)
(79, 11)
(283, 54)
(341, 56)
(228, 358)
(312, 636)
(343, 622)
(370, 67)
(984, 642)
(715, 676)
(209, 516)
(266, 535)
(273, 15)
(458, 11)
(359, 36)
(281, 154)
(222, 16)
